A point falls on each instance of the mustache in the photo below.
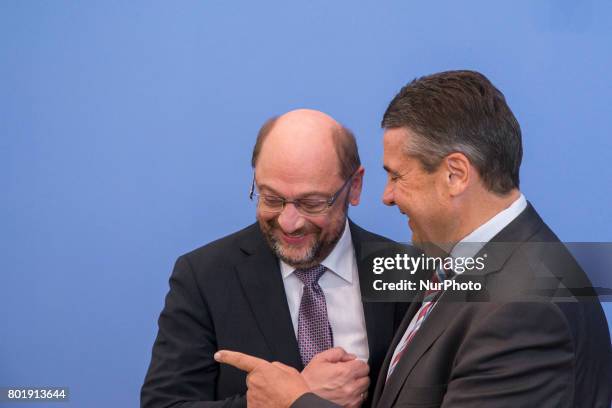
(306, 229)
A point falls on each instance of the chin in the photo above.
(296, 260)
(299, 257)
(417, 239)
(296, 253)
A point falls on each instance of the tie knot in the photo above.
(310, 275)
(440, 275)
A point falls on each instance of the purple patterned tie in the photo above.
(314, 332)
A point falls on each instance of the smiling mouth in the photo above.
(293, 239)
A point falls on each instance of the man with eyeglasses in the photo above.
(284, 289)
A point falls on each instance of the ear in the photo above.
(457, 173)
(356, 185)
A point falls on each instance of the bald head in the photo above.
(308, 136)
(308, 120)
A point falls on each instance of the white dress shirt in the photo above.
(340, 284)
(476, 239)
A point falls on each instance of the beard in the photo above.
(309, 256)
(311, 253)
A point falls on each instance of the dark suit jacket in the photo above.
(229, 294)
(517, 347)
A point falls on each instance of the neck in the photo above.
(473, 212)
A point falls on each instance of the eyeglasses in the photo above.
(305, 206)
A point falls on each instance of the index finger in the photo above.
(241, 361)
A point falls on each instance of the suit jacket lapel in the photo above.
(379, 316)
(261, 280)
(379, 324)
(431, 329)
(382, 376)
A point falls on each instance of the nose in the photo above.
(290, 220)
(388, 197)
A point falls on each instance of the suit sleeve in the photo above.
(183, 372)
(310, 400)
(519, 355)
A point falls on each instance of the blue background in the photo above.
(126, 131)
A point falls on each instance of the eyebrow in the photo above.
(388, 170)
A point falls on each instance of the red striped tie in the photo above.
(429, 300)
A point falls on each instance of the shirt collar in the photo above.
(483, 234)
(338, 261)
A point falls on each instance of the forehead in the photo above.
(294, 166)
